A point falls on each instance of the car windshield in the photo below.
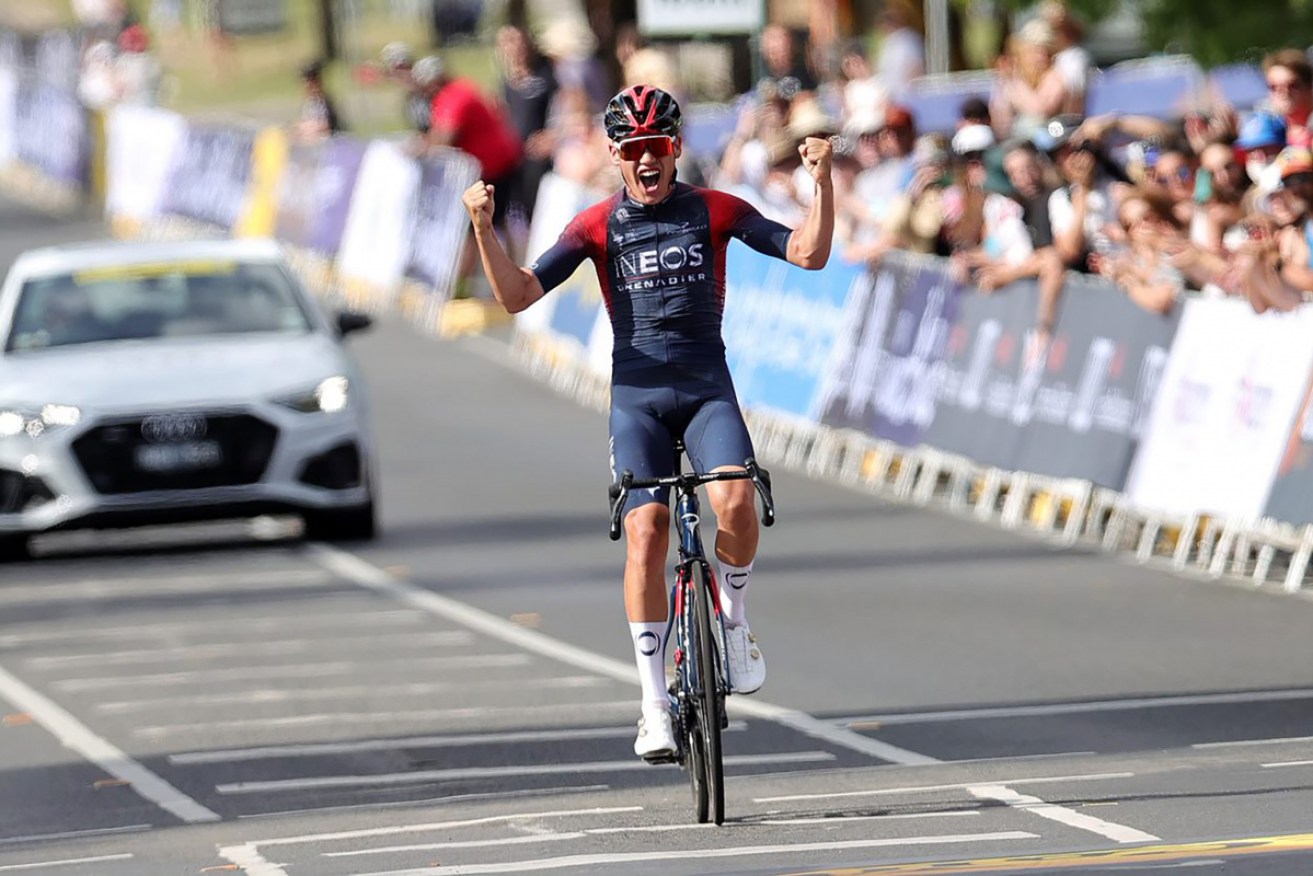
(141, 302)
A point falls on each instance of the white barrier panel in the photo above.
(376, 242)
(559, 200)
(8, 115)
(141, 144)
(1222, 416)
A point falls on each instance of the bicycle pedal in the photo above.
(656, 758)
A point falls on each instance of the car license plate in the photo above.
(187, 456)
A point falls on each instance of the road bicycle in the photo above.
(702, 678)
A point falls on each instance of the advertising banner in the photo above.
(1222, 418)
(210, 176)
(141, 146)
(251, 16)
(51, 132)
(339, 168)
(1291, 496)
(376, 239)
(441, 222)
(781, 325)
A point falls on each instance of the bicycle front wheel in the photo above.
(708, 693)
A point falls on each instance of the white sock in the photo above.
(650, 655)
(734, 592)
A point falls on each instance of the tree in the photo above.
(1213, 31)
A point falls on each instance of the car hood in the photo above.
(129, 375)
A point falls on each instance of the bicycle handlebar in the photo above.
(619, 492)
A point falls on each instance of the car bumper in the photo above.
(45, 485)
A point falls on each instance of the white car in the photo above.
(152, 383)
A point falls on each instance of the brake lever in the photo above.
(761, 480)
(619, 494)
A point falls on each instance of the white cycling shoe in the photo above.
(747, 668)
(656, 736)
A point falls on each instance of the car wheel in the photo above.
(342, 524)
(14, 549)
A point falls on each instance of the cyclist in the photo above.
(658, 247)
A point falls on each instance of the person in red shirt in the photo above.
(463, 118)
(1290, 93)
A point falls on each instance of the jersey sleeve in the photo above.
(575, 244)
(735, 217)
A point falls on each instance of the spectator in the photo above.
(862, 89)
(1172, 172)
(1031, 89)
(641, 63)
(746, 157)
(570, 45)
(877, 187)
(1071, 59)
(580, 150)
(463, 118)
(1220, 193)
(397, 64)
(1279, 275)
(1083, 208)
(319, 118)
(916, 219)
(902, 48)
(98, 83)
(786, 71)
(1144, 269)
(1262, 137)
(1290, 92)
(137, 69)
(528, 89)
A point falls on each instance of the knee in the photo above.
(736, 505)
(648, 530)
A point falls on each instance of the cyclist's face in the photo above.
(647, 165)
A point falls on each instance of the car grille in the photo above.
(237, 449)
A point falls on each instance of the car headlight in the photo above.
(331, 396)
(16, 421)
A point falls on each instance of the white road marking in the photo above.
(528, 713)
(302, 670)
(467, 773)
(845, 819)
(1118, 833)
(249, 860)
(687, 854)
(334, 748)
(252, 649)
(1288, 763)
(74, 834)
(521, 794)
(353, 568)
(67, 862)
(284, 695)
(261, 625)
(548, 837)
(76, 736)
(955, 786)
(397, 830)
(1049, 709)
(120, 588)
(1294, 740)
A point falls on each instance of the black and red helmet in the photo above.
(642, 111)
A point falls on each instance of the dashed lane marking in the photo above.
(67, 862)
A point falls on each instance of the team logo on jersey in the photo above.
(646, 262)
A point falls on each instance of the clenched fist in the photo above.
(816, 153)
(478, 200)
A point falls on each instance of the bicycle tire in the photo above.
(708, 694)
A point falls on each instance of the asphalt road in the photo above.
(458, 697)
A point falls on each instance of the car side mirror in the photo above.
(349, 321)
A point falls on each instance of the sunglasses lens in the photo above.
(632, 150)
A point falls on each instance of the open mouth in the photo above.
(650, 179)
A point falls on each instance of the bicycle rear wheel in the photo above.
(708, 693)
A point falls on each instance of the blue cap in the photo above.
(1262, 129)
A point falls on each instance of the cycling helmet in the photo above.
(642, 111)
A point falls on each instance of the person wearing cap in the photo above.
(1262, 137)
(878, 187)
(1084, 207)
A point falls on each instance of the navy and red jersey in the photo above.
(662, 271)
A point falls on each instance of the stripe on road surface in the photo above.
(688, 854)
(78, 737)
(466, 773)
(1146, 855)
(67, 862)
